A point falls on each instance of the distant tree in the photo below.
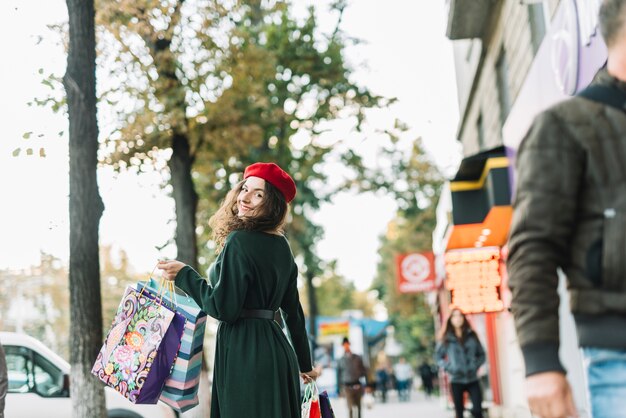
(34, 300)
(418, 184)
(336, 294)
(86, 208)
(220, 85)
(117, 274)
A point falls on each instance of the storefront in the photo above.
(470, 260)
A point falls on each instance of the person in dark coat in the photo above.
(460, 354)
(382, 381)
(427, 376)
(256, 368)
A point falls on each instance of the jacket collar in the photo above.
(603, 77)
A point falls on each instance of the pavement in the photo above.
(418, 407)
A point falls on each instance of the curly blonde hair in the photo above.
(270, 215)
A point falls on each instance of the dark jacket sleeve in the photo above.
(549, 166)
(295, 322)
(224, 301)
(440, 356)
(481, 357)
(363, 370)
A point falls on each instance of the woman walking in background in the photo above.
(460, 354)
(256, 370)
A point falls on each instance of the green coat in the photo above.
(256, 371)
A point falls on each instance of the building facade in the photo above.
(513, 59)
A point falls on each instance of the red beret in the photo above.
(275, 175)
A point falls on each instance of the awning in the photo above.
(481, 201)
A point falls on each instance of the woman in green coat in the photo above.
(256, 369)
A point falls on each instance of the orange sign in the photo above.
(416, 272)
(473, 277)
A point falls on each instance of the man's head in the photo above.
(346, 344)
(613, 22)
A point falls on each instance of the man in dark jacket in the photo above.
(570, 213)
(351, 372)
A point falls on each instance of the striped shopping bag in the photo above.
(181, 389)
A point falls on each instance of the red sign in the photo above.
(416, 272)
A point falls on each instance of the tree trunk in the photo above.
(186, 200)
(86, 208)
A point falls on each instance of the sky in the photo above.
(403, 54)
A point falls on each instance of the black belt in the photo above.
(258, 314)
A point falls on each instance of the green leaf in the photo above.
(27, 135)
(16, 152)
(29, 151)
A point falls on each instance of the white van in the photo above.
(39, 385)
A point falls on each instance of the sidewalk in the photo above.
(418, 407)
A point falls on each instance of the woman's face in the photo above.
(456, 319)
(251, 195)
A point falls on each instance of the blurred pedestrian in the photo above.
(427, 376)
(382, 381)
(352, 372)
(256, 369)
(570, 213)
(404, 374)
(4, 380)
(460, 353)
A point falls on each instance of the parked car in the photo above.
(39, 385)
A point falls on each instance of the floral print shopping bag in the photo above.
(139, 350)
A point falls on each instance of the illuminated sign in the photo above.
(416, 272)
(334, 328)
(473, 278)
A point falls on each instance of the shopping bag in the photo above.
(181, 388)
(310, 402)
(140, 348)
(368, 400)
(325, 408)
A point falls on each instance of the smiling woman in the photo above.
(254, 276)
(259, 202)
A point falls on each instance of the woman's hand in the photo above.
(170, 268)
(308, 377)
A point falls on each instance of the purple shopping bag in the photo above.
(139, 350)
(170, 346)
(327, 410)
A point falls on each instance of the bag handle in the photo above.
(164, 286)
(310, 391)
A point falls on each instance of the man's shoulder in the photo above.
(561, 125)
(575, 110)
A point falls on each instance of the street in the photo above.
(418, 407)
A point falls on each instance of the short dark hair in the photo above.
(612, 20)
(345, 340)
